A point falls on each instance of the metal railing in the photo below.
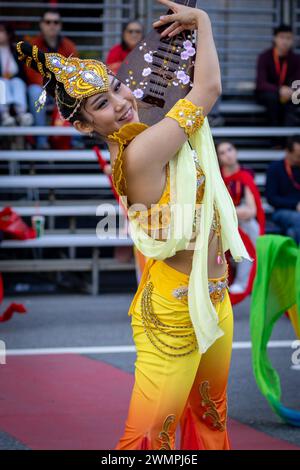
(242, 29)
(296, 22)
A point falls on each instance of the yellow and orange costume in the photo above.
(182, 324)
(174, 382)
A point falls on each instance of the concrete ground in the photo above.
(63, 321)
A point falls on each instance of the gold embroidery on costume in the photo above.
(81, 77)
(151, 323)
(164, 434)
(28, 61)
(40, 67)
(123, 136)
(212, 411)
(199, 193)
(216, 287)
(157, 217)
(21, 56)
(189, 116)
(180, 292)
(216, 225)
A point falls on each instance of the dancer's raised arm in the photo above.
(207, 76)
(160, 142)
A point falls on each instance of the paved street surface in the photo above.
(75, 393)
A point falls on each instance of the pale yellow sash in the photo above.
(183, 186)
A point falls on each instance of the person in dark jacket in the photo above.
(283, 189)
(278, 70)
(13, 99)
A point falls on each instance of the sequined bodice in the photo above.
(158, 216)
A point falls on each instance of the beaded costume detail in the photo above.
(189, 116)
(153, 327)
(159, 215)
(123, 137)
(211, 409)
(164, 434)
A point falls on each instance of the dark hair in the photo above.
(282, 28)
(125, 25)
(66, 103)
(9, 31)
(221, 142)
(291, 141)
(55, 11)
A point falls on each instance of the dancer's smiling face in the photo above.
(107, 112)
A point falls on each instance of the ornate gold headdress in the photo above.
(81, 78)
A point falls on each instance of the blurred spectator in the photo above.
(132, 34)
(283, 189)
(245, 196)
(14, 109)
(277, 69)
(49, 40)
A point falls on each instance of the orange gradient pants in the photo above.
(189, 391)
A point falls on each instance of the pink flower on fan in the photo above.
(146, 72)
(187, 44)
(138, 93)
(182, 77)
(191, 51)
(148, 57)
(184, 55)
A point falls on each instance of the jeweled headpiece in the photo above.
(80, 78)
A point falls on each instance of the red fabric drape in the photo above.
(246, 180)
(13, 226)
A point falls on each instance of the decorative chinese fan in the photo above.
(159, 70)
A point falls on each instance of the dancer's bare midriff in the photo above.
(183, 260)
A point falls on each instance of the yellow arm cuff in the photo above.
(189, 116)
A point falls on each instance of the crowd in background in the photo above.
(23, 85)
(278, 68)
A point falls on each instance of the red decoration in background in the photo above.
(244, 178)
(281, 70)
(13, 226)
(12, 308)
(59, 142)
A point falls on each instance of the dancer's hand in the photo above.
(183, 18)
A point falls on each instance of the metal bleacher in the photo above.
(67, 187)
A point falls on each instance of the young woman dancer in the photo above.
(183, 219)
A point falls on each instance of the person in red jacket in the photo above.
(132, 34)
(246, 198)
(50, 39)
